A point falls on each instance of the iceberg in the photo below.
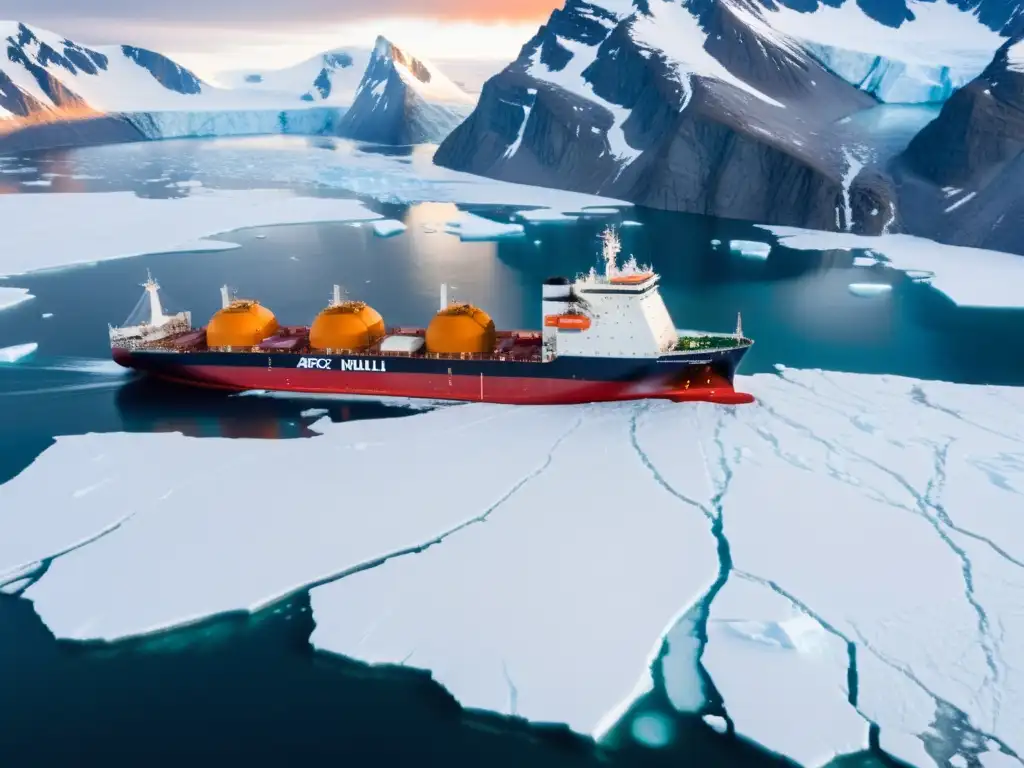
(868, 290)
(470, 227)
(387, 227)
(605, 569)
(749, 248)
(10, 296)
(17, 352)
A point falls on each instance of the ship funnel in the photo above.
(225, 297)
(444, 296)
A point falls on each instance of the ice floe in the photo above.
(83, 228)
(10, 296)
(874, 552)
(868, 290)
(469, 226)
(388, 227)
(547, 216)
(750, 249)
(970, 277)
(17, 352)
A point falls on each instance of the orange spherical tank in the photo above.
(350, 325)
(461, 329)
(240, 324)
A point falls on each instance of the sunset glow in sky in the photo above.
(215, 35)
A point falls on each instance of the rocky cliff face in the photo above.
(959, 178)
(403, 100)
(699, 107)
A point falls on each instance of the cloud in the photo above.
(254, 14)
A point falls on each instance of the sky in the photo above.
(217, 35)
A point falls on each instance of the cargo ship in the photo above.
(605, 336)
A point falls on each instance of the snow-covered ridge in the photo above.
(43, 71)
(418, 74)
(330, 78)
(47, 78)
(937, 50)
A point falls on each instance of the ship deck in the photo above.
(512, 346)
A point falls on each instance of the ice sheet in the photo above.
(109, 225)
(875, 513)
(970, 277)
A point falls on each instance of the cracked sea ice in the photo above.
(874, 509)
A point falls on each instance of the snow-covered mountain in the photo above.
(961, 173)
(736, 108)
(403, 100)
(57, 92)
(45, 74)
(330, 78)
(700, 107)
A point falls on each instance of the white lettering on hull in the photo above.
(325, 364)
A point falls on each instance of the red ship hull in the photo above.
(512, 390)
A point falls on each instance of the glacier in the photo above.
(937, 49)
(783, 530)
(893, 81)
(194, 124)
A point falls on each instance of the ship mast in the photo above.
(739, 325)
(444, 296)
(225, 297)
(156, 311)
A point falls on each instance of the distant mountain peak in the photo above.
(389, 60)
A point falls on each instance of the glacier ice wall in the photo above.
(310, 121)
(892, 81)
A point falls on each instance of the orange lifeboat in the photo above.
(567, 322)
(634, 279)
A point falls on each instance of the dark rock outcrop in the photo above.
(388, 109)
(742, 133)
(959, 178)
(170, 75)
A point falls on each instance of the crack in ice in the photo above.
(27, 574)
(713, 702)
(907, 673)
(439, 538)
(989, 647)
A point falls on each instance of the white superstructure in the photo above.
(158, 326)
(619, 313)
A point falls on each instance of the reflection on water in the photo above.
(147, 405)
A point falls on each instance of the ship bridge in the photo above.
(617, 312)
